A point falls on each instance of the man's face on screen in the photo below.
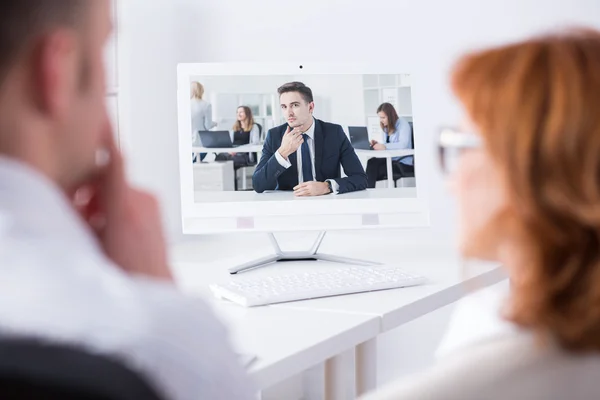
(295, 109)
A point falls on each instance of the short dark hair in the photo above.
(23, 20)
(299, 87)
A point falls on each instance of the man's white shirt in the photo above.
(311, 147)
(57, 285)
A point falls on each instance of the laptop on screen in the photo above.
(216, 139)
(359, 137)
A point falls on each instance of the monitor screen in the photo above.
(260, 134)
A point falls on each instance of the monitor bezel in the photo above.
(305, 214)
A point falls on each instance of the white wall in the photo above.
(241, 84)
(338, 98)
(341, 96)
(425, 36)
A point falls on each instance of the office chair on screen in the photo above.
(406, 175)
(31, 369)
(252, 162)
(260, 132)
(260, 129)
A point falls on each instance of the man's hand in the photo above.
(311, 188)
(379, 146)
(291, 141)
(126, 221)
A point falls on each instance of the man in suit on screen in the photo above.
(305, 154)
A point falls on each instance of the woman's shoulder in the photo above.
(199, 102)
(401, 121)
(509, 366)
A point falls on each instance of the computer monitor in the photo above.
(242, 96)
(215, 139)
(359, 137)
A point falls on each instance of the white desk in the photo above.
(280, 195)
(388, 155)
(247, 148)
(391, 308)
(396, 307)
(286, 343)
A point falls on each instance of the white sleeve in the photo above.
(334, 186)
(282, 161)
(187, 350)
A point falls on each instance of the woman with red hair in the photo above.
(525, 168)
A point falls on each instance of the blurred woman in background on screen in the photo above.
(397, 134)
(244, 131)
(525, 168)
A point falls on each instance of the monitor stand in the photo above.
(310, 255)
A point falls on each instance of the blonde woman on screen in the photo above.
(201, 109)
(244, 131)
(526, 171)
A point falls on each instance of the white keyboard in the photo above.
(252, 291)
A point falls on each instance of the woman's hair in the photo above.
(392, 116)
(249, 120)
(196, 90)
(537, 106)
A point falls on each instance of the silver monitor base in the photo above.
(310, 255)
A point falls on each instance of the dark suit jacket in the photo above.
(332, 149)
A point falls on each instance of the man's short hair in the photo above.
(299, 87)
(23, 20)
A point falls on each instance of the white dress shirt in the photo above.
(311, 146)
(57, 285)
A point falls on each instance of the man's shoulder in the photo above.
(174, 340)
(329, 128)
(328, 125)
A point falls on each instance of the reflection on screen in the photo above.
(312, 135)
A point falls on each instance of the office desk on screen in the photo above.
(388, 155)
(364, 154)
(215, 176)
(276, 195)
(247, 148)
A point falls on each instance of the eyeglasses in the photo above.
(451, 143)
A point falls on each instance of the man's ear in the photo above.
(55, 72)
(311, 106)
